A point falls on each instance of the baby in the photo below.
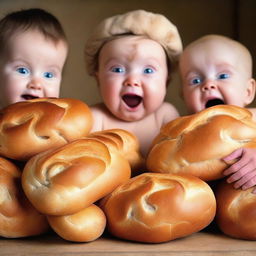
(33, 50)
(132, 56)
(218, 70)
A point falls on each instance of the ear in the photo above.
(250, 91)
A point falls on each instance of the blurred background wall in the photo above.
(193, 18)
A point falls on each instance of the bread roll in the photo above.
(236, 211)
(18, 218)
(126, 143)
(157, 207)
(33, 126)
(84, 226)
(68, 179)
(196, 144)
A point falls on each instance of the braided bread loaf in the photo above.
(33, 126)
(157, 207)
(18, 218)
(66, 180)
(196, 144)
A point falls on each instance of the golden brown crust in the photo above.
(196, 144)
(84, 226)
(236, 213)
(68, 179)
(126, 143)
(156, 207)
(33, 126)
(18, 218)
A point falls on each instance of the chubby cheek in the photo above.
(153, 99)
(234, 96)
(52, 92)
(192, 102)
(11, 95)
(110, 96)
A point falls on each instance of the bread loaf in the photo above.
(84, 226)
(236, 211)
(65, 180)
(157, 207)
(18, 218)
(126, 143)
(33, 126)
(197, 143)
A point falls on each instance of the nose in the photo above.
(132, 81)
(35, 83)
(209, 85)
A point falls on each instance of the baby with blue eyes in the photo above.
(33, 50)
(218, 70)
(131, 57)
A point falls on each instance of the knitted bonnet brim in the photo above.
(139, 22)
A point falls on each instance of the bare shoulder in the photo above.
(98, 112)
(167, 112)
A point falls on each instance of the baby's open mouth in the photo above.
(132, 100)
(29, 97)
(214, 102)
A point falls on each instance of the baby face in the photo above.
(31, 67)
(215, 72)
(132, 77)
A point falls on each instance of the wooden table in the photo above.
(200, 244)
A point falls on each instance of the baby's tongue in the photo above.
(132, 100)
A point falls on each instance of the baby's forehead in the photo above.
(217, 43)
(215, 47)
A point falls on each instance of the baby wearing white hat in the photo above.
(132, 57)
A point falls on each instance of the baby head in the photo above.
(216, 70)
(131, 56)
(33, 50)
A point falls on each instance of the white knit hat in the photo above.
(139, 22)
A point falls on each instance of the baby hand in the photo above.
(243, 171)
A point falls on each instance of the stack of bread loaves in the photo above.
(64, 183)
(196, 144)
(66, 169)
(27, 128)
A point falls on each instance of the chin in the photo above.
(131, 117)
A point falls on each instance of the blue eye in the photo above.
(148, 71)
(23, 70)
(196, 80)
(48, 75)
(223, 76)
(117, 69)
